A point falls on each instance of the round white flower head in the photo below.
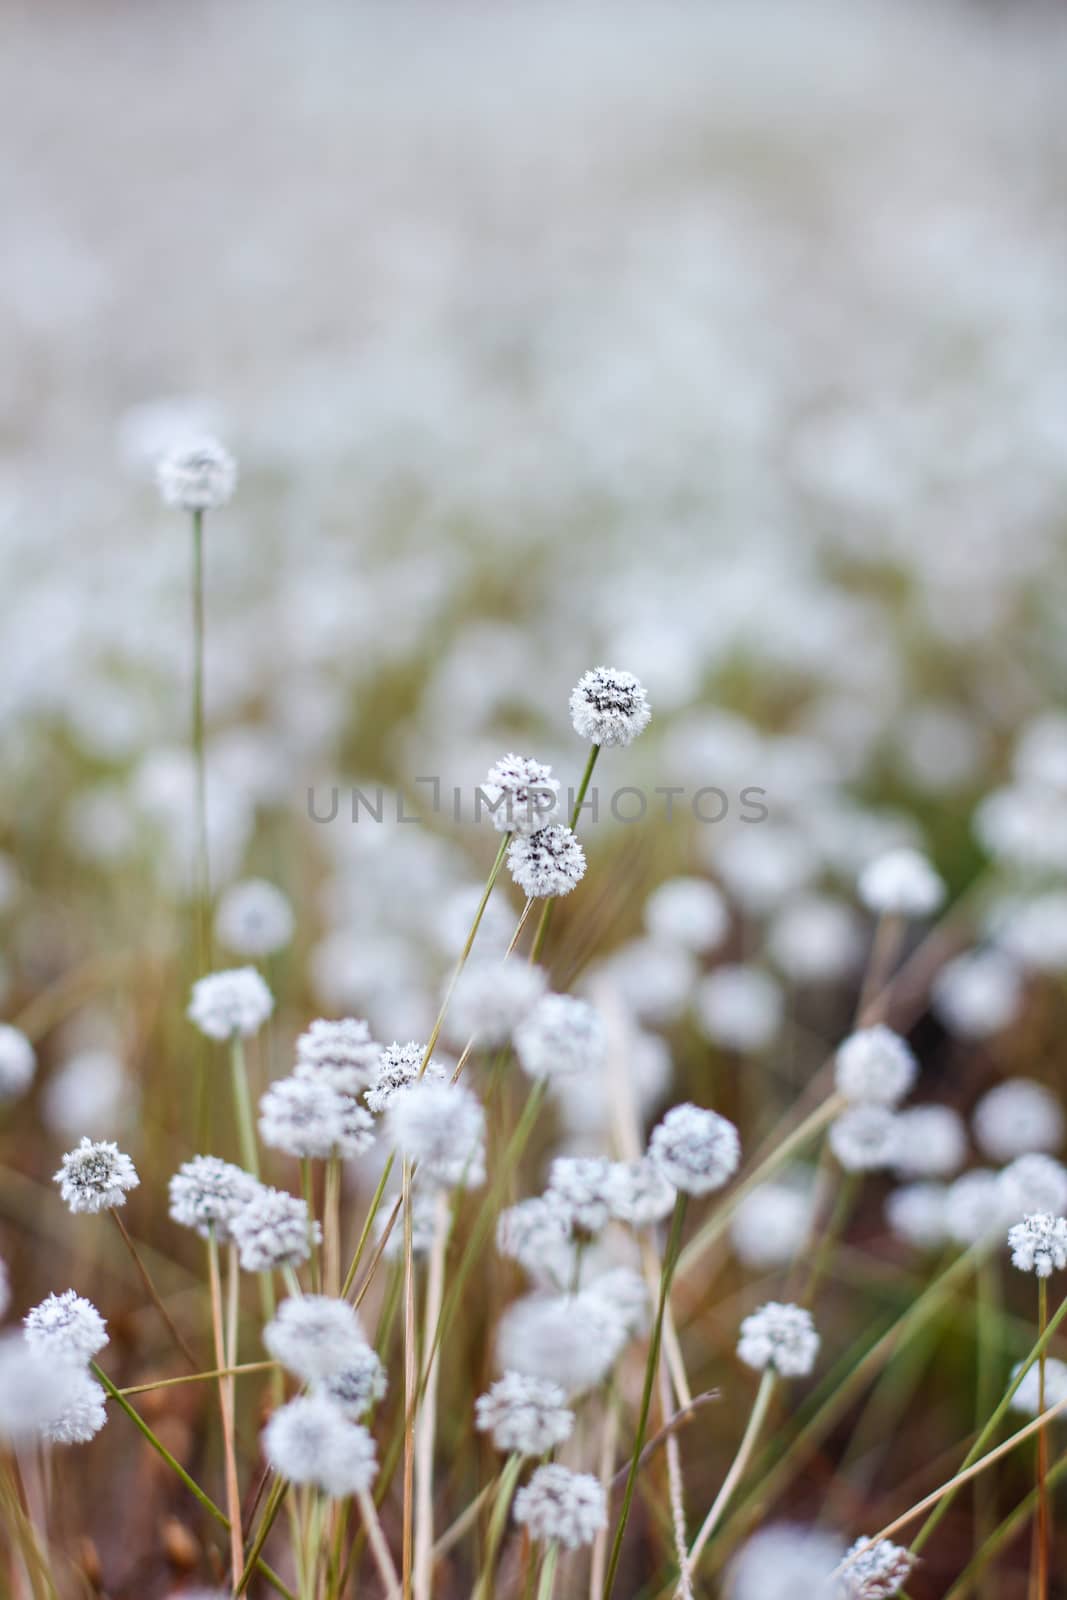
(88, 1093)
(784, 1561)
(227, 1004)
(695, 1149)
(273, 1230)
(1032, 1183)
(18, 1062)
(626, 1292)
(656, 978)
(491, 999)
(1039, 1244)
(197, 477)
(310, 1441)
(96, 1176)
(537, 1234)
(525, 1415)
(571, 1339)
(307, 1117)
(566, 1507)
(398, 1066)
(579, 1186)
(779, 1336)
(67, 1326)
(358, 1385)
(978, 994)
(689, 912)
(442, 1127)
(901, 883)
(875, 1571)
(548, 863)
(83, 1415)
(638, 1192)
(609, 707)
(931, 1142)
(342, 1054)
(739, 1007)
(974, 1206)
(1035, 934)
(522, 794)
(1027, 1397)
(207, 1193)
(254, 918)
(865, 1138)
(1018, 1118)
(314, 1336)
(917, 1213)
(773, 1223)
(560, 1035)
(35, 1390)
(816, 940)
(875, 1066)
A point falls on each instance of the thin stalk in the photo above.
(1042, 1446)
(547, 1584)
(466, 1519)
(378, 1546)
(609, 1440)
(278, 1493)
(498, 1521)
(307, 1187)
(242, 1105)
(233, 1492)
(435, 1032)
(758, 1416)
(150, 1288)
(411, 1385)
(670, 1261)
(542, 927)
(976, 1569)
(986, 1333)
(331, 1225)
(203, 875)
(368, 1223)
(426, 1420)
(200, 1377)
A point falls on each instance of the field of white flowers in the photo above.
(533, 801)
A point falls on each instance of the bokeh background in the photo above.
(726, 343)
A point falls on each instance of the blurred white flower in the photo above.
(254, 919)
(200, 476)
(739, 1007)
(228, 1005)
(931, 1141)
(978, 994)
(560, 1035)
(901, 883)
(1018, 1118)
(875, 1066)
(779, 1336)
(687, 911)
(18, 1063)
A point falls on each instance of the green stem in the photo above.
(547, 1584)
(497, 1523)
(368, 1224)
(757, 1417)
(542, 926)
(1012, 1525)
(242, 1105)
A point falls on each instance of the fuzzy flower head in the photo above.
(274, 1230)
(306, 1117)
(314, 1336)
(974, 1207)
(773, 1222)
(875, 1571)
(525, 1415)
(579, 1188)
(226, 1005)
(254, 919)
(901, 883)
(441, 1126)
(978, 994)
(566, 1507)
(66, 1326)
(931, 1142)
(548, 863)
(917, 1213)
(396, 1067)
(689, 912)
(1038, 1244)
(309, 1440)
(197, 477)
(17, 1062)
(537, 1234)
(865, 1138)
(82, 1416)
(639, 1192)
(96, 1176)
(609, 706)
(561, 1035)
(695, 1149)
(739, 1007)
(1027, 1397)
(206, 1193)
(875, 1066)
(779, 1336)
(35, 1390)
(784, 1561)
(1030, 1184)
(572, 1339)
(1018, 1118)
(491, 999)
(358, 1385)
(342, 1054)
(522, 794)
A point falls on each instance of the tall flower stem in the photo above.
(498, 1519)
(331, 1226)
(411, 1386)
(379, 1546)
(226, 1392)
(670, 1261)
(307, 1187)
(203, 874)
(242, 1105)
(494, 873)
(542, 926)
(756, 1420)
(1042, 1446)
(426, 1419)
(150, 1288)
(546, 1586)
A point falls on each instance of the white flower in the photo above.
(66, 1326)
(566, 1507)
(571, 1339)
(865, 1138)
(1027, 1396)
(342, 1054)
(638, 1192)
(1032, 1183)
(875, 1065)
(917, 1213)
(626, 1292)
(878, 1574)
(695, 1149)
(931, 1142)
(655, 977)
(560, 1035)
(207, 1193)
(398, 1066)
(1018, 1118)
(815, 940)
(491, 999)
(314, 1336)
(89, 1094)
(779, 1336)
(273, 1230)
(441, 1126)
(96, 1176)
(537, 1234)
(82, 1416)
(548, 863)
(309, 1440)
(35, 1390)
(524, 1414)
(197, 477)
(609, 707)
(764, 867)
(227, 1004)
(307, 1117)
(1039, 1244)
(773, 1222)
(18, 1062)
(785, 1561)
(1035, 934)
(689, 912)
(974, 1206)
(358, 1385)
(739, 1007)
(978, 994)
(522, 793)
(254, 918)
(579, 1187)
(901, 883)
